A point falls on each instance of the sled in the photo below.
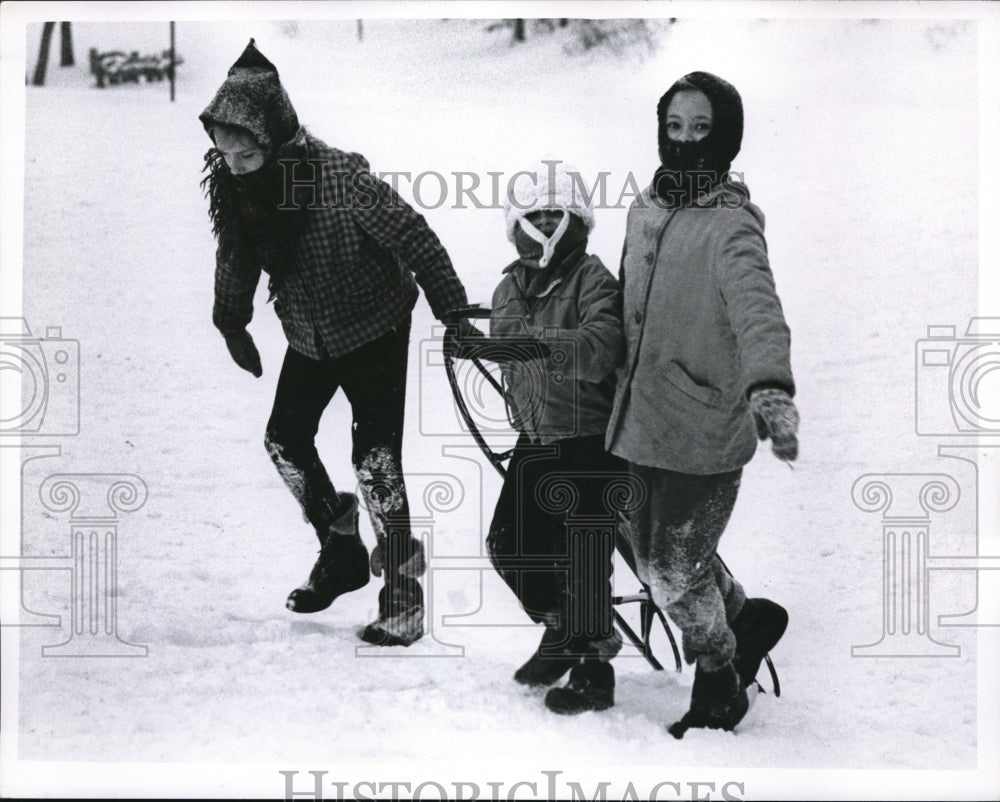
(649, 612)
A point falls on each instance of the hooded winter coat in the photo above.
(575, 311)
(703, 327)
(345, 253)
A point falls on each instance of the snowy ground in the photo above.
(862, 149)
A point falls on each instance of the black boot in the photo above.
(718, 701)
(342, 565)
(555, 655)
(758, 628)
(400, 619)
(591, 686)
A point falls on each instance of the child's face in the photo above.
(242, 153)
(689, 116)
(546, 220)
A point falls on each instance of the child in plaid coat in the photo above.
(344, 255)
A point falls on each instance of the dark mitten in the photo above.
(458, 331)
(776, 417)
(244, 352)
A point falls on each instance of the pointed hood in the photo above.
(253, 98)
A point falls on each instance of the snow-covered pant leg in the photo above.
(556, 568)
(675, 533)
(733, 595)
(305, 387)
(374, 380)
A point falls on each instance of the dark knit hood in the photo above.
(252, 232)
(689, 169)
(720, 147)
(253, 98)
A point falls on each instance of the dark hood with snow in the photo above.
(253, 98)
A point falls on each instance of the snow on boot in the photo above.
(718, 701)
(342, 565)
(400, 619)
(554, 656)
(758, 628)
(591, 686)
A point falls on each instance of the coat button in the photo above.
(638, 317)
(650, 257)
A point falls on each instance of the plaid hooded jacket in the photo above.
(344, 252)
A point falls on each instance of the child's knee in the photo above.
(283, 441)
(670, 583)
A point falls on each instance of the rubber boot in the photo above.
(400, 619)
(758, 627)
(342, 565)
(718, 701)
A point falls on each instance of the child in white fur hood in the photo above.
(564, 301)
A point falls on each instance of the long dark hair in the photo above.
(251, 231)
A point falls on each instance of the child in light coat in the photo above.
(707, 370)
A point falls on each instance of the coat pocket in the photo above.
(679, 378)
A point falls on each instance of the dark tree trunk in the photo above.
(519, 30)
(43, 54)
(66, 40)
(173, 59)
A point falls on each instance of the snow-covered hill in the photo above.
(862, 148)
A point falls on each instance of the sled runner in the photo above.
(649, 613)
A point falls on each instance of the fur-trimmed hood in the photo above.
(549, 184)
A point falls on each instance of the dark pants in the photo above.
(552, 535)
(373, 377)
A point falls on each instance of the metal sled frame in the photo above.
(648, 611)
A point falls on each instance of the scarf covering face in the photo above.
(690, 169)
(251, 231)
(532, 276)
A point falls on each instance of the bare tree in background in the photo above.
(66, 43)
(43, 54)
(66, 50)
(614, 35)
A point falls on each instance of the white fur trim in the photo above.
(548, 184)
